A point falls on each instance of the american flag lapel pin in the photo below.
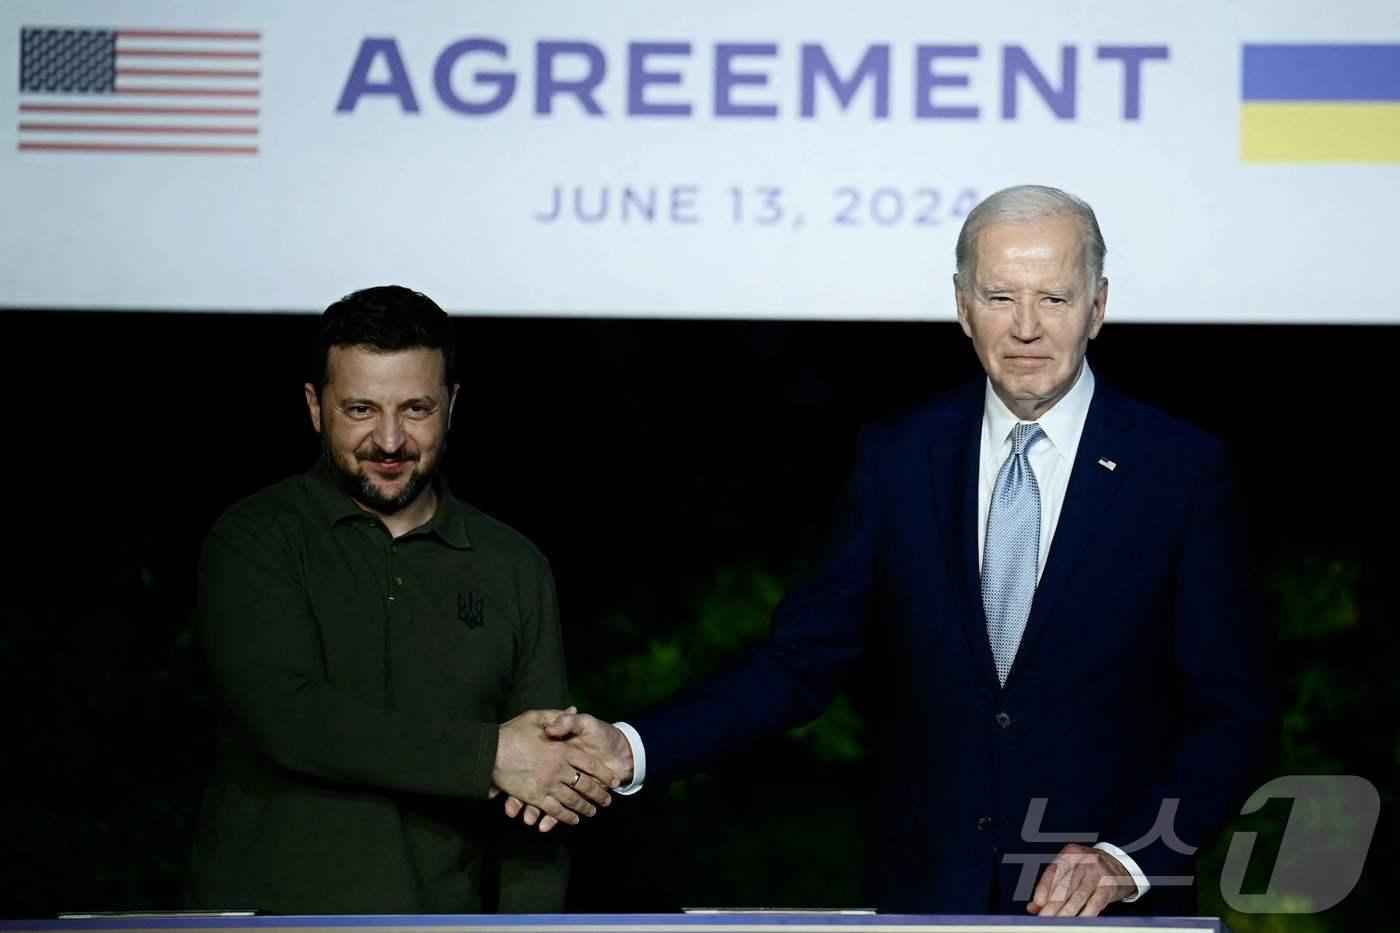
(1107, 464)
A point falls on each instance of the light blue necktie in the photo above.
(1012, 549)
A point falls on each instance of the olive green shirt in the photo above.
(359, 681)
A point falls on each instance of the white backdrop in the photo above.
(341, 152)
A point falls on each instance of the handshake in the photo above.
(555, 766)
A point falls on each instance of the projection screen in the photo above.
(785, 160)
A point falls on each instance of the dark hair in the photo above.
(384, 318)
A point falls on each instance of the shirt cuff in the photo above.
(1139, 878)
(639, 760)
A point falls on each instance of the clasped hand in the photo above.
(557, 766)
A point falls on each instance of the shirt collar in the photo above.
(449, 521)
(1063, 423)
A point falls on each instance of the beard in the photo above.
(360, 487)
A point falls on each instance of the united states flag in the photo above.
(143, 91)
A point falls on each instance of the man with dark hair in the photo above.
(369, 637)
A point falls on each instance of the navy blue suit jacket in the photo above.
(1141, 676)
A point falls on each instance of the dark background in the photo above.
(677, 474)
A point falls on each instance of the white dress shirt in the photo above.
(1052, 459)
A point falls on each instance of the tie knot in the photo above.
(1023, 435)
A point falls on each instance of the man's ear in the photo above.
(961, 301)
(1100, 305)
(452, 401)
(313, 405)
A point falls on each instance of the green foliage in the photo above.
(1315, 607)
(1313, 598)
(730, 613)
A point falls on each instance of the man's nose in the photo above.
(388, 432)
(1025, 321)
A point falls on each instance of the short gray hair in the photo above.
(1024, 203)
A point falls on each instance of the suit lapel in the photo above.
(953, 463)
(1091, 489)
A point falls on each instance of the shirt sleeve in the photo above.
(535, 865)
(639, 759)
(1139, 879)
(263, 650)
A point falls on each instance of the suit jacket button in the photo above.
(1003, 720)
(984, 824)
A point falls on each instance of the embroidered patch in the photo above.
(471, 609)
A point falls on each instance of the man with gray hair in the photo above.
(1053, 579)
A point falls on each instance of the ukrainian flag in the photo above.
(1321, 103)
